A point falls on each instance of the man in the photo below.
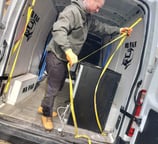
(69, 34)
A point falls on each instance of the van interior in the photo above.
(27, 85)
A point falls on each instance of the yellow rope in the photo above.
(112, 41)
(73, 110)
(123, 36)
(17, 47)
(103, 71)
(96, 88)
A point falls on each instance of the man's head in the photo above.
(93, 6)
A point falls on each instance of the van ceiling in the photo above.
(114, 12)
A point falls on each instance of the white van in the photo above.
(125, 107)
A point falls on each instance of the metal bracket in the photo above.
(2, 84)
(3, 77)
(137, 120)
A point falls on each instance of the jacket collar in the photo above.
(80, 5)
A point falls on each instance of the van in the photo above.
(115, 89)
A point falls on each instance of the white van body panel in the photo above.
(136, 60)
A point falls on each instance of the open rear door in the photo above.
(140, 122)
(21, 48)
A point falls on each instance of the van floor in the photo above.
(22, 119)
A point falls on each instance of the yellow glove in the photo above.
(71, 57)
(126, 30)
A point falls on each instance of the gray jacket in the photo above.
(71, 29)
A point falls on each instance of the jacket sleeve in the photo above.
(102, 28)
(62, 28)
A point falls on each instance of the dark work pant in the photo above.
(56, 70)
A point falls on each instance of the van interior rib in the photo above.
(18, 107)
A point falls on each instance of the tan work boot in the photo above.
(40, 111)
(47, 123)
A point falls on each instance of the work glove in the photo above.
(71, 57)
(126, 30)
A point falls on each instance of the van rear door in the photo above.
(143, 108)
